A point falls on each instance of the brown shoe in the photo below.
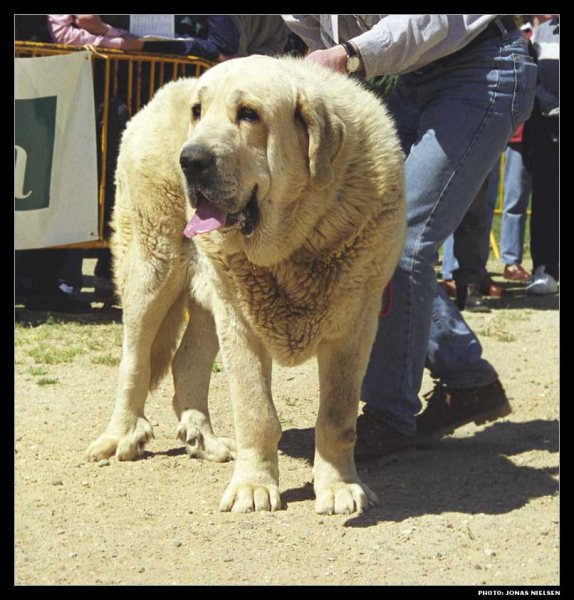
(449, 286)
(448, 409)
(516, 273)
(376, 439)
(491, 289)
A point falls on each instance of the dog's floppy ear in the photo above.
(326, 137)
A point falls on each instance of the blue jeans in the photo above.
(517, 188)
(455, 118)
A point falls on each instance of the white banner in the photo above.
(55, 160)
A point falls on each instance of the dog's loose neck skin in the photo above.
(301, 286)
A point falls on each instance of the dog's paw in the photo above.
(344, 498)
(200, 443)
(125, 447)
(246, 498)
(104, 447)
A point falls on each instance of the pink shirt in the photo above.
(64, 31)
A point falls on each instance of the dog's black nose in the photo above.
(197, 162)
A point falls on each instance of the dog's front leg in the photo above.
(342, 365)
(255, 481)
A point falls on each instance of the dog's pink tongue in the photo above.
(207, 218)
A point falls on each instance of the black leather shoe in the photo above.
(448, 409)
(377, 439)
(471, 299)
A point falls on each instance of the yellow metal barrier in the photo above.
(133, 78)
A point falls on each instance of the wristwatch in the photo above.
(353, 59)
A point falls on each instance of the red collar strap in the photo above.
(389, 303)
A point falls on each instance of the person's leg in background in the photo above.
(71, 277)
(517, 188)
(468, 244)
(37, 281)
(473, 246)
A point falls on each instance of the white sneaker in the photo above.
(541, 283)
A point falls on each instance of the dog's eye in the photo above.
(196, 111)
(247, 114)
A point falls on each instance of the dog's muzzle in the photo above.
(197, 163)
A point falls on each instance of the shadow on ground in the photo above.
(33, 318)
(466, 475)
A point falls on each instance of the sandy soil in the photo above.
(478, 508)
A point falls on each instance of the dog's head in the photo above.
(260, 136)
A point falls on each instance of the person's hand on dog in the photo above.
(334, 58)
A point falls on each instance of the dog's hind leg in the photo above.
(192, 367)
(148, 303)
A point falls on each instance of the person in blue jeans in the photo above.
(517, 189)
(466, 83)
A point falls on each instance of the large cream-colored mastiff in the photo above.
(267, 198)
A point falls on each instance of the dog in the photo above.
(267, 198)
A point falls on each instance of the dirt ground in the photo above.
(478, 508)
